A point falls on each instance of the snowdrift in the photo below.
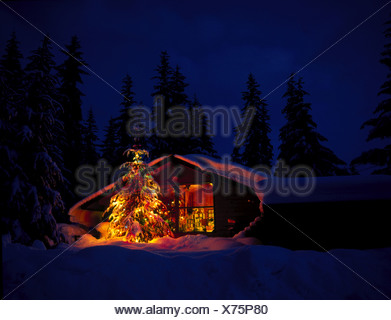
(194, 267)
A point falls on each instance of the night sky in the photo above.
(217, 44)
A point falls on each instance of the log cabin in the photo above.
(204, 195)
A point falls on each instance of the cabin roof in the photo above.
(222, 167)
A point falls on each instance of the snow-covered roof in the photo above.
(109, 188)
(223, 167)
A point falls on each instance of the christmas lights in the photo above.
(135, 213)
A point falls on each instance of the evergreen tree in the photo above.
(70, 73)
(177, 87)
(257, 148)
(380, 124)
(300, 142)
(162, 94)
(171, 89)
(90, 140)
(180, 141)
(201, 142)
(236, 155)
(135, 212)
(110, 143)
(163, 77)
(10, 66)
(125, 140)
(42, 176)
(11, 174)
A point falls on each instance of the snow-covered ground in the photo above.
(193, 267)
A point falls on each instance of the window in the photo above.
(196, 208)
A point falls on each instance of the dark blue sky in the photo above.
(217, 44)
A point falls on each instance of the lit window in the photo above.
(196, 209)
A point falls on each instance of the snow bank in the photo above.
(70, 232)
(241, 236)
(193, 267)
(188, 243)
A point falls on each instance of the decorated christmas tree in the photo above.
(135, 212)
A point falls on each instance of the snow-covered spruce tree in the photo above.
(125, 140)
(11, 174)
(70, 73)
(381, 123)
(109, 148)
(300, 142)
(90, 140)
(43, 177)
(201, 143)
(257, 148)
(135, 212)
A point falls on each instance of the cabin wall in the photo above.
(241, 208)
